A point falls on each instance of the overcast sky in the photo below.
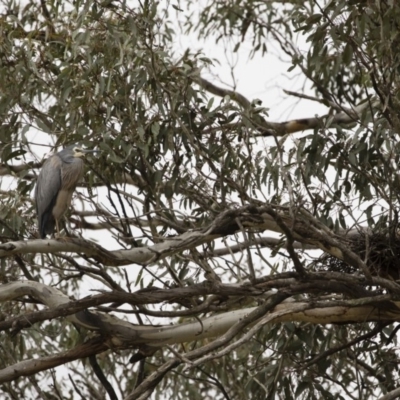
(263, 76)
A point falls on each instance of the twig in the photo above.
(378, 328)
(289, 244)
(316, 99)
(102, 378)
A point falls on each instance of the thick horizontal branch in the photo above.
(251, 218)
(33, 366)
(125, 334)
(141, 255)
(121, 334)
(298, 125)
(62, 307)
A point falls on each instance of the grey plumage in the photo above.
(55, 185)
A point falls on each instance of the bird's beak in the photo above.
(90, 151)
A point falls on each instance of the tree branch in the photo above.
(305, 229)
(394, 394)
(33, 366)
(121, 334)
(298, 125)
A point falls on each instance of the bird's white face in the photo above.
(79, 152)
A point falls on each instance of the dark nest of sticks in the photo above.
(383, 255)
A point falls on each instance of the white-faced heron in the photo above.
(55, 185)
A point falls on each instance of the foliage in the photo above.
(182, 156)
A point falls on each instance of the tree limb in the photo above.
(33, 366)
(298, 125)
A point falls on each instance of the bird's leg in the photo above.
(58, 234)
(65, 223)
(58, 228)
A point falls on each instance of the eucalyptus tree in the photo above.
(210, 251)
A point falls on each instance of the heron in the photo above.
(55, 185)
